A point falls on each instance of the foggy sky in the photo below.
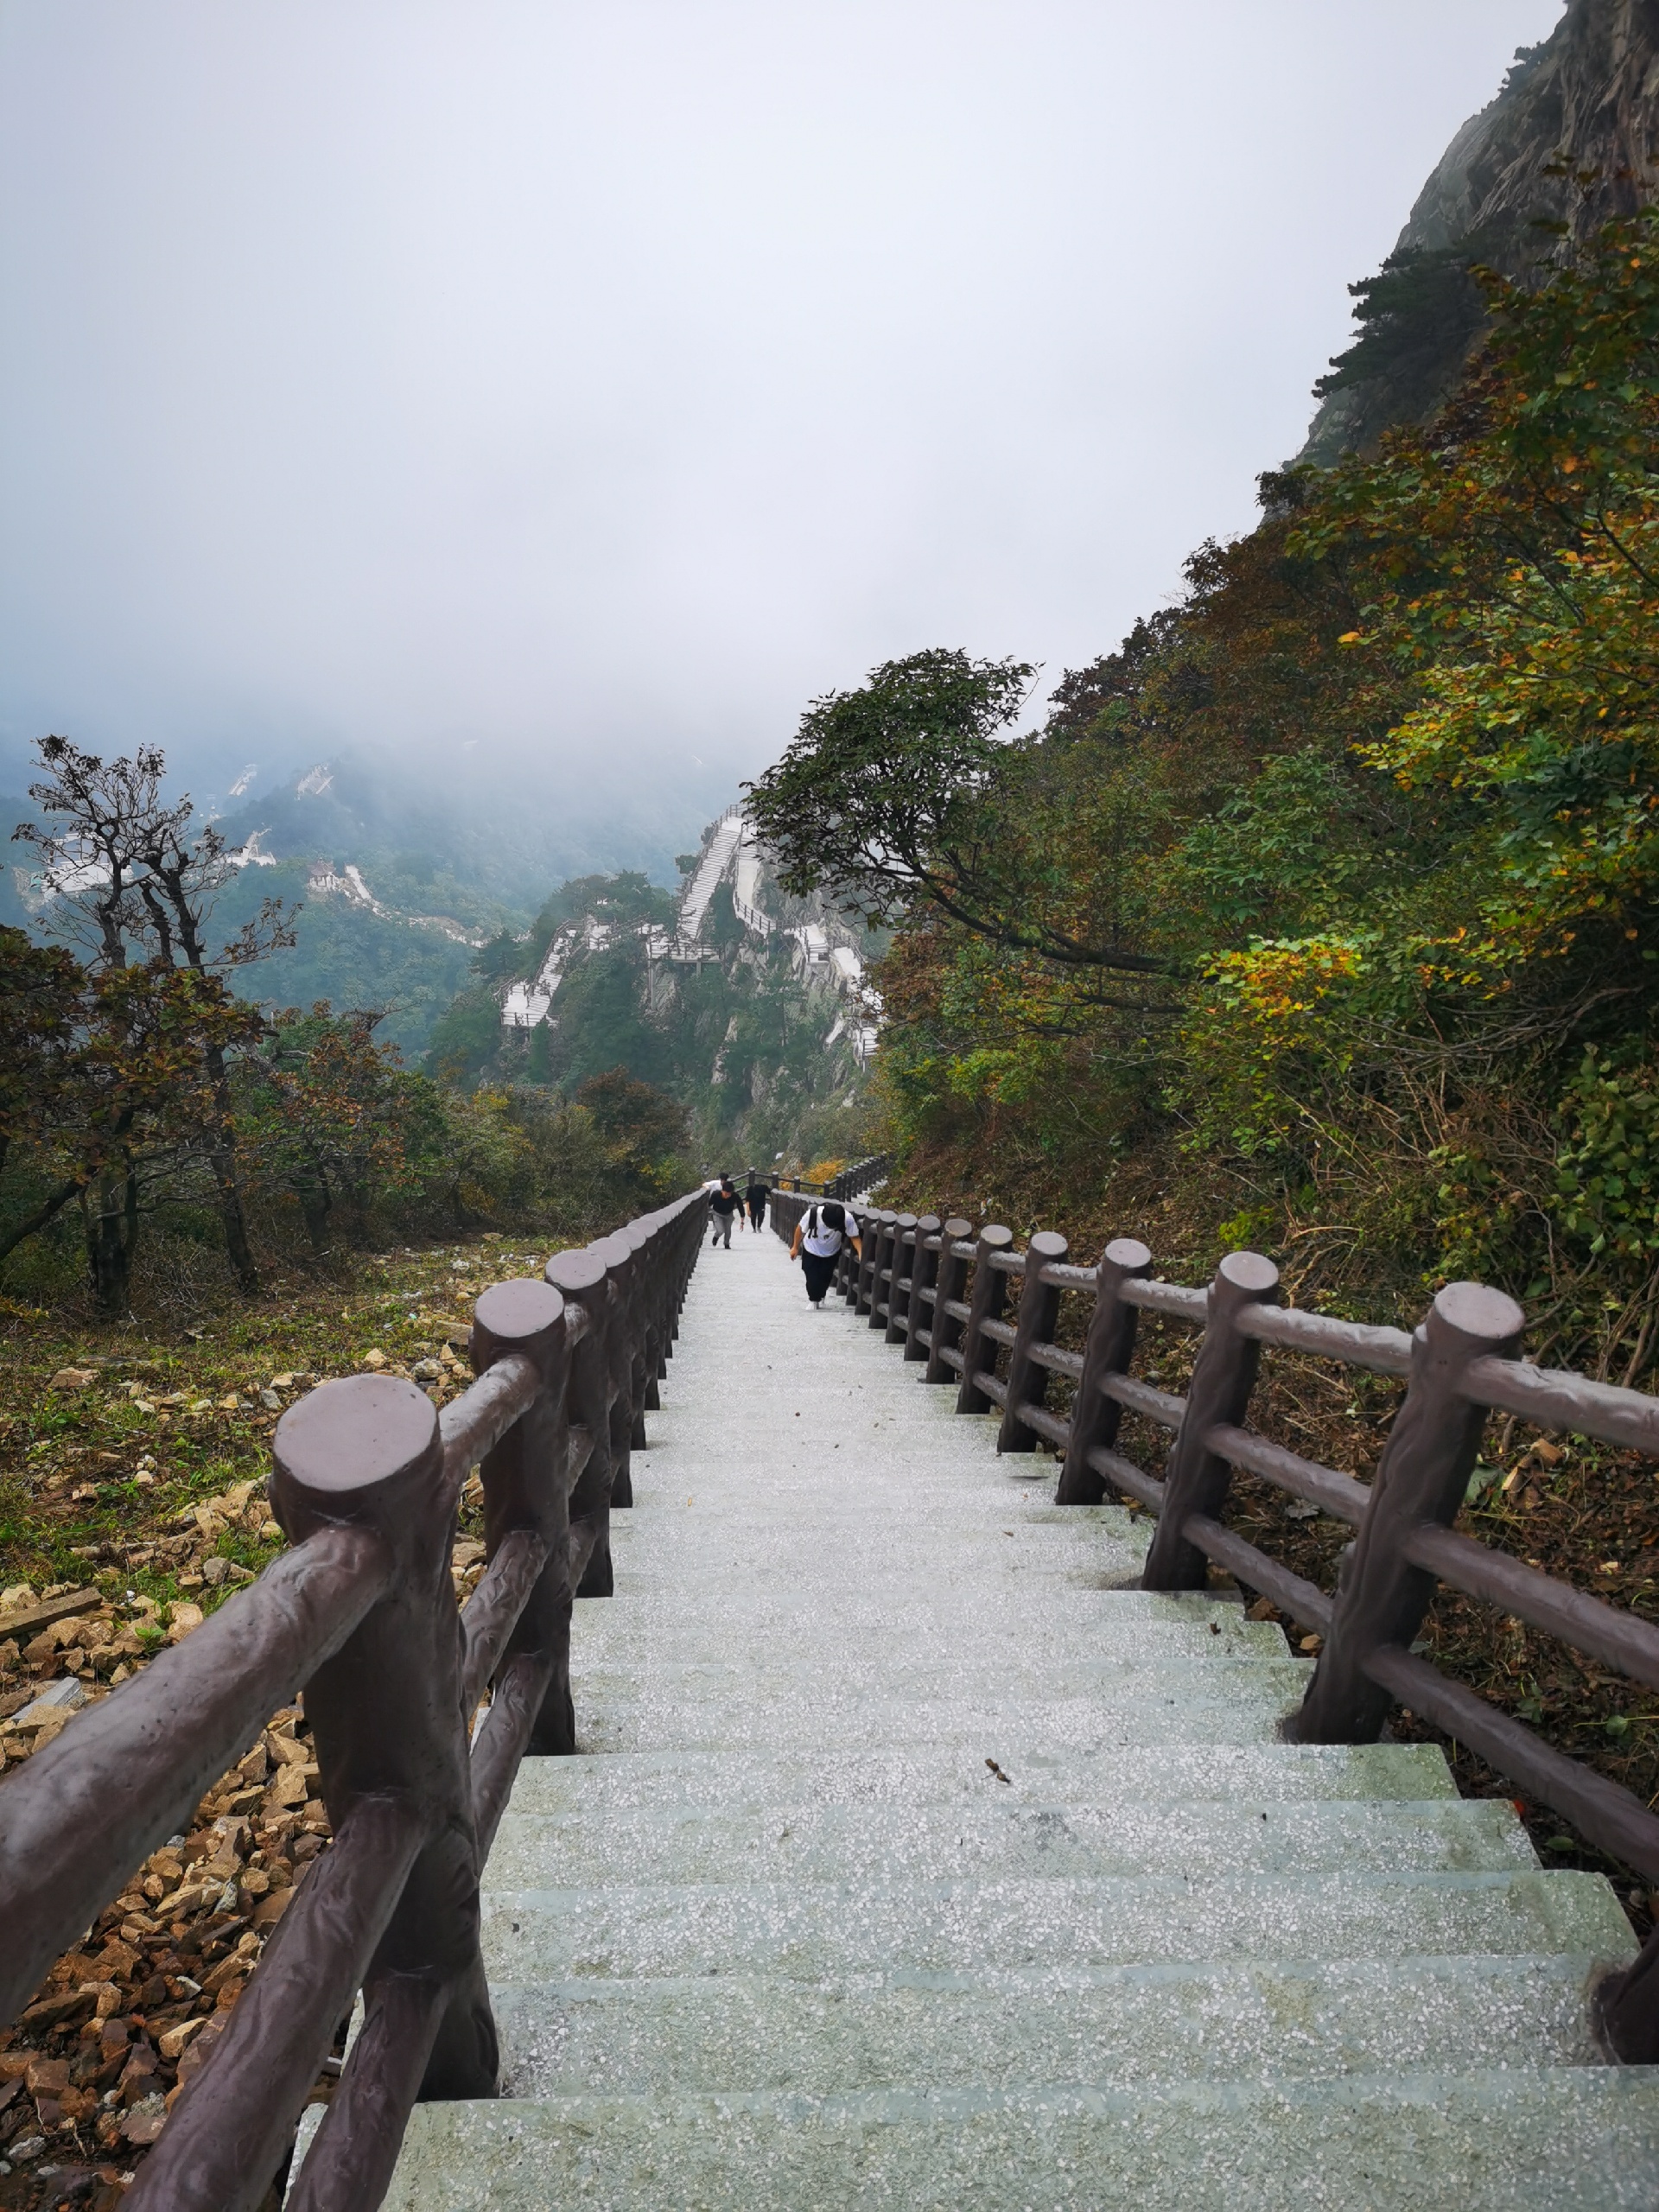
(592, 385)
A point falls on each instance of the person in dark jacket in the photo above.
(724, 1204)
(755, 1198)
(819, 1235)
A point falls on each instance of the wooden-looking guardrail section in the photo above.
(851, 1183)
(360, 1612)
(946, 1293)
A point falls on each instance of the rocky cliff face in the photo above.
(1572, 140)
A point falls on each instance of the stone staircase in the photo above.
(918, 1861)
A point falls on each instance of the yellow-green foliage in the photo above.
(1378, 800)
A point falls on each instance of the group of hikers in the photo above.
(727, 1205)
(819, 1234)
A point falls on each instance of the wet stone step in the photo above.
(819, 1843)
(813, 1930)
(916, 1774)
(1572, 2140)
(1114, 2029)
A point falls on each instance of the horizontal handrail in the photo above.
(92, 1806)
(1549, 1399)
(1356, 1344)
(1173, 1299)
(1600, 1808)
(1589, 1625)
(1338, 1494)
(481, 1416)
(1142, 1398)
(1058, 1360)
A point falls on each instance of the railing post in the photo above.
(1108, 1351)
(948, 1285)
(990, 1295)
(627, 1364)
(636, 1295)
(885, 1232)
(599, 1482)
(1039, 1307)
(924, 1274)
(385, 1713)
(526, 1486)
(428, 2026)
(1423, 1474)
(1224, 1375)
(845, 1264)
(870, 1241)
(905, 1241)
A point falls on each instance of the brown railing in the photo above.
(360, 1612)
(862, 1175)
(944, 1293)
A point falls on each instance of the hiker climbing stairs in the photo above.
(913, 1858)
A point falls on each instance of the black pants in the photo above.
(757, 1213)
(819, 1274)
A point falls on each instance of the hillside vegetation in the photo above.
(1321, 914)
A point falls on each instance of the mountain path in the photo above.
(915, 1859)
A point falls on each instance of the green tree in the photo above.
(325, 1115)
(131, 871)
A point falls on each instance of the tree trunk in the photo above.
(44, 1214)
(222, 1159)
(315, 1203)
(112, 1234)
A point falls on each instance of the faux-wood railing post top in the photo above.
(956, 1228)
(520, 1315)
(905, 1220)
(1246, 1274)
(928, 1223)
(1472, 1316)
(354, 1435)
(512, 1310)
(583, 1268)
(996, 1236)
(1127, 1255)
(1048, 1244)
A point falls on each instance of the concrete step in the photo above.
(1570, 2140)
(991, 1543)
(841, 1697)
(925, 1774)
(663, 1621)
(1004, 1728)
(956, 1583)
(1117, 2029)
(815, 1931)
(967, 1512)
(813, 1842)
(647, 1594)
(868, 1669)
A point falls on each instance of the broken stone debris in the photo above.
(96, 2063)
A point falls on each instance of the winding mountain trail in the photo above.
(915, 1861)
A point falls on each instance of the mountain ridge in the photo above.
(1570, 140)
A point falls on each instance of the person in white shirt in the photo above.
(819, 1235)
